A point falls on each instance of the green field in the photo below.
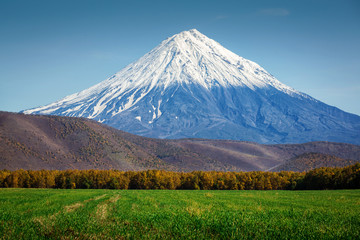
(167, 214)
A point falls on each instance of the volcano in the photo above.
(190, 86)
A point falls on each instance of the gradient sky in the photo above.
(52, 48)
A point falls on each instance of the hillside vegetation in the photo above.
(320, 178)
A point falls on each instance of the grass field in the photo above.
(156, 214)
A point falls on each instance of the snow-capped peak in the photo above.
(188, 57)
(191, 57)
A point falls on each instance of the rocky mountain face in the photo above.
(53, 142)
(191, 87)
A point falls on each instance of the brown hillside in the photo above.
(53, 142)
(309, 161)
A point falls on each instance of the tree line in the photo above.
(320, 178)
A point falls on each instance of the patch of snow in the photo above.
(158, 109)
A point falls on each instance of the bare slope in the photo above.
(53, 142)
(309, 161)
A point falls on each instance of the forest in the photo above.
(319, 178)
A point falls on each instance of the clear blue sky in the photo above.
(51, 49)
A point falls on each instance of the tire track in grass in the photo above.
(102, 210)
(48, 222)
(96, 198)
(99, 218)
(73, 207)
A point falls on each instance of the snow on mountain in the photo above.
(191, 86)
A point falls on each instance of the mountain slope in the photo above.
(191, 87)
(53, 142)
(309, 161)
